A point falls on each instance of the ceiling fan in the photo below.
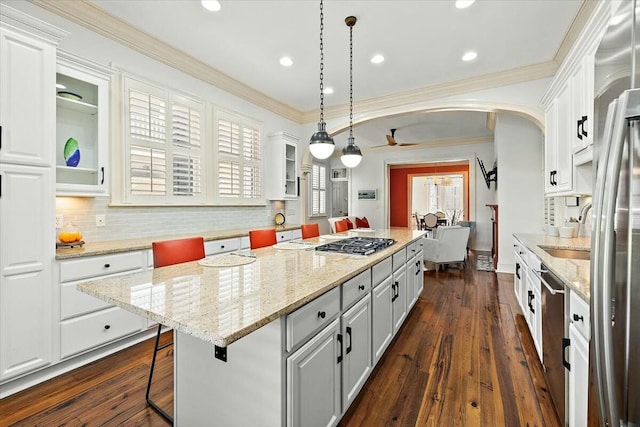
(391, 140)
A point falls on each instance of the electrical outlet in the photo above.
(59, 221)
(101, 220)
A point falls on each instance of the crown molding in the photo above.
(19, 20)
(579, 22)
(99, 21)
(487, 81)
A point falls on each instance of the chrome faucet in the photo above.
(583, 212)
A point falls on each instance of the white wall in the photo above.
(519, 148)
(419, 195)
(372, 174)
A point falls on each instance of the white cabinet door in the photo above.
(313, 380)
(27, 104)
(418, 281)
(26, 251)
(282, 157)
(578, 378)
(399, 298)
(357, 364)
(382, 317)
(563, 178)
(410, 269)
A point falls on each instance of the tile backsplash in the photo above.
(134, 222)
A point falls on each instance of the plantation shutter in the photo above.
(187, 152)
(239, 161)
(318, 190)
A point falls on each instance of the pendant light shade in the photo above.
(351, 154)
(321, 144)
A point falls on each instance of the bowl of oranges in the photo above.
(69, 234)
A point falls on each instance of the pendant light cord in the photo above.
(321, 64)
(351, 84)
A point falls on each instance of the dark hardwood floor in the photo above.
(463, 357)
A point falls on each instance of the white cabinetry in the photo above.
(582, 86)
(282, 158)
(520, 278)
(357, 363)
(579, 361)
(27, 211)
(86, 322)
(382, 317)
(399, 287)
(558, 159)
(533, 312)
(85, 119)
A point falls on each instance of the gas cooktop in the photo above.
(357, 245)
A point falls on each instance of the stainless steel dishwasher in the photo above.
(554, 341)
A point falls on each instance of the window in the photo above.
(238, 160)
(163, 150)
(318, 190)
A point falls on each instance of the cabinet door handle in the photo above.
(340, 345)
(531, 296)
(566, 342)
(577, 318)
(107, 326)
(418, 271)
(518, 270)
(393, 288)
(102, 180)
(578, 124)
(350, 339)
(322, 314)
(361, 287)
(584, 132)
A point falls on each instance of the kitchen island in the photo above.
(277, 341)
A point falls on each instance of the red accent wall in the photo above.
(399, 189)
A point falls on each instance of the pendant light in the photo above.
(351, 154)
(321, 144)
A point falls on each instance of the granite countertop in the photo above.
(126, 245)
(221, 305)
(575, 273)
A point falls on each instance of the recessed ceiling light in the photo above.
(212, 5)
(328, 90)
(462, 4)
(286, 61)
(469, 56)
(60, 86)
(377, 59)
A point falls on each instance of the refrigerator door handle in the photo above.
(603, 277)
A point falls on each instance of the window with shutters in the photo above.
(238, 160)
(163, 152)
(318, 190)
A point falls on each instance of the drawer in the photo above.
(419, 245)
(311, 317)
(213, 247)
(399, 259)
(296, 234)
(354, 288)
(86, 332)
(74, 303)
(100, 266)
(579, 315)
(283, 236)
(245, 243)
(412, 249)
(381, 271)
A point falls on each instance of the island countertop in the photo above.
(575, 273)
(221, 305)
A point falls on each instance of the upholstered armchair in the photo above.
(447, 247)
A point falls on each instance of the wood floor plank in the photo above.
(464, 357)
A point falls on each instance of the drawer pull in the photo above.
(107, 265)
(577, 318)
(107, 326)
(221, 246)
(350, 339)
(322, 314)
(361, 287)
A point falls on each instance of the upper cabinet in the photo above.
(282, 158)
(82, 127)
(582, 94)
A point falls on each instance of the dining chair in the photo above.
(262, 238)
(165, 253)
(341, 226)
(430, 221)
(310, 230)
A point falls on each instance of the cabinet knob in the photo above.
(322, 314)
(107, 326)
(577, 318)
(107, 265)
(361, 287)
(221, 246)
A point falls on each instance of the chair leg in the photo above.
(153, 364)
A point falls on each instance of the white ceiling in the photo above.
(422, 41)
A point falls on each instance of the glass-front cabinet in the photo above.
(82, 127)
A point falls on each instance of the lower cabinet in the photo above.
(534, 311)
(313, 380)
(382, 325)
(578, 378)
(399, 298)
(357, 363)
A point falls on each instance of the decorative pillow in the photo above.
(349, 224)
(362, 222)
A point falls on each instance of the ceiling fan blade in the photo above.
(390, 140)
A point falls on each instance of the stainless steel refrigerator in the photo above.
(615, 265)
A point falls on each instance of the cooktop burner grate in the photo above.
(357, 245)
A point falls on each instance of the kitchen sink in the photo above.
(568, 253)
